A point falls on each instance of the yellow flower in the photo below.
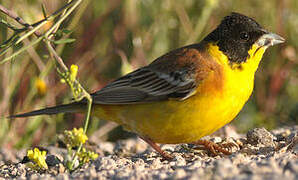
(41, 86)
(79, 135)
(75, 137)
(38, 157)
(62, 81)
(85, 156)
(73, 72)
(93, 155)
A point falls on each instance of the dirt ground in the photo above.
(257, 155)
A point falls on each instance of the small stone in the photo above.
(34, 176)
(260, 136)
(240, 142)
(179, 174)
(163, 175)
(25, 160)
(223, 167)
(168, 147)
(179, 160)
(194, 165)
(291, 166)
(52, 160)
(61, 168)
(92, 172)
(286, 133)
(63, 176)
(216, 139)
(139, 165)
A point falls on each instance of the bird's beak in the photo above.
(270, 39)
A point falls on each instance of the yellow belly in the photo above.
(180, 121)
(175, 121)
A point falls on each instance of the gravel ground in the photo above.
(257, 155)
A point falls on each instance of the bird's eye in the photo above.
(244, 36)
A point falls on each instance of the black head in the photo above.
(235, 36)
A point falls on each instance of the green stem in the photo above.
(88, 112)
(75, 157)
(63, 18)
(21, 50)
(30, 32)
(5, 23)
(89, 107)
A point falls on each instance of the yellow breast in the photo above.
(200, 115)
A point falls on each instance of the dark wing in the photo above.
(146, 85)
(171, 76)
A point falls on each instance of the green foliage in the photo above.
(86, 155)
(64, 41)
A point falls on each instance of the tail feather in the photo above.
(69, 108)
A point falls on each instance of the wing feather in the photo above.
(172, 76)
(144, 85)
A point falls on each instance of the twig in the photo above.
(21, 50)
(2, 21)
(17, 18)
(56, 56)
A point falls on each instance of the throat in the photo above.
(250, 65)
(254, 58)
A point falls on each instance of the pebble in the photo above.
(260, 136)
(179, 174)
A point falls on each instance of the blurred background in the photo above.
(114, 37)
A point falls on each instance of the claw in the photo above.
(213, 148)
(229, 145)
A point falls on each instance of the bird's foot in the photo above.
(157, 148)
(215, 148)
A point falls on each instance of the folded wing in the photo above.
(146, 85)
(175, 75)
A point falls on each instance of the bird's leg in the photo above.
(212, 147)
(157, 148)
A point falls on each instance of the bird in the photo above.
(187, 93)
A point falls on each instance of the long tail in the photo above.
(69, 108)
